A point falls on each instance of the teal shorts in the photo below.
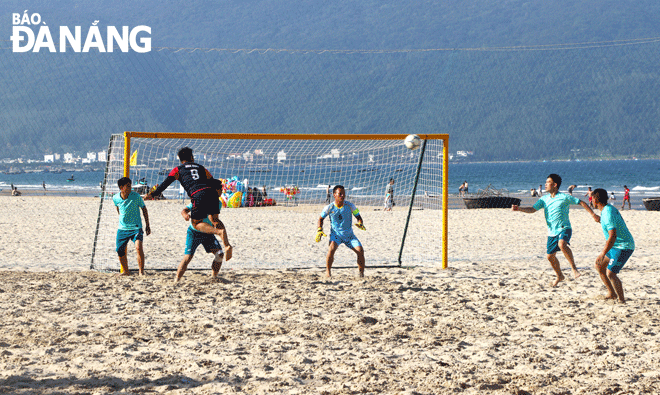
(124, 236)
(349, 240)
(553, 241)
(194, 239)
(618, 258)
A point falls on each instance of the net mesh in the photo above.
(295, 175)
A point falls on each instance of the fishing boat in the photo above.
(491, 198)
(652, 204)
(71, 179)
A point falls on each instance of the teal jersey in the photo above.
(129, 210)
(341, 221)
(189, 207)
(610, 218)
(556, 211)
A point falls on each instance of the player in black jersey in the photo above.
(200, 186)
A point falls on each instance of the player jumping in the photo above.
(341, 231)
(196, 181)
(194, 238)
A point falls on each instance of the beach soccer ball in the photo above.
(412, 142)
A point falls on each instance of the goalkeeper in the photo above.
(341, 231)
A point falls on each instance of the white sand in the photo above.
(489, 324)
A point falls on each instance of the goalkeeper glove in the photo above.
(319, 234)
(360, 226)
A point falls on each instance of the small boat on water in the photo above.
(491, 198)
(491, 202)
(652, 204)
(71, 179)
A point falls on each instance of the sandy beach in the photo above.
(490, 323)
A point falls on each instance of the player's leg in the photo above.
(602, 271)
(121, 242)
(355, 245)
(554, 262)
(552, 248)
(192, 242)
(212, 246)
(618, 259)
(359, 251)
(139, 248)
(330, 257)
(568, 254)
(629, 206)
(217, 262)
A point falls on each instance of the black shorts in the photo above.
(204, 203)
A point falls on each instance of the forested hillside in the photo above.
(506, 79)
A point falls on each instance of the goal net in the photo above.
(276, 188)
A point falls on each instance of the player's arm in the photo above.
(593, 215)
(185, 213)
(173, 176)
(117, 207)
(608, 245)
(528, 210)
(319, 231)
(145, 213)
(360, 222)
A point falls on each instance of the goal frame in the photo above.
(128, 135)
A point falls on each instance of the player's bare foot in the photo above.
(124, 274)
(327, 273)
(576, 274)
(361, 273)
(228, 251)
(557, 281)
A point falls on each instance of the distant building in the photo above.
(102, 156)
(68, 158)
(58, 156)
(91, 156)
(281, 156)
(49, 158)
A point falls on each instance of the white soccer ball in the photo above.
(412, 141)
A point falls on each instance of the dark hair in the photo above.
(123, 181)
(337, 187)
(391, 179)
(185, 153)
(602, 195)
(556, 179)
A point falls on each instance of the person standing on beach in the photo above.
(540, 192)
(570, 189)
(194, 238)
(328, 194)
(556, 207)
(389, 193)
(128, 204)
(589, 192)
(196, 181)
(341, 230)
(618, 247)
(43, 184)
(626, 197)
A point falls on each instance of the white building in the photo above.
(102, 156)
(91, 156)
(49, 158)
(281, 156)
(68, 158)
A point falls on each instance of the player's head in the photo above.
(391, 180)
(186, 154)
(625, 186)
(122, 182)
(553, 182)
(599, 195)
(339, 193)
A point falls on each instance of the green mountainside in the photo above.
(506, 79)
